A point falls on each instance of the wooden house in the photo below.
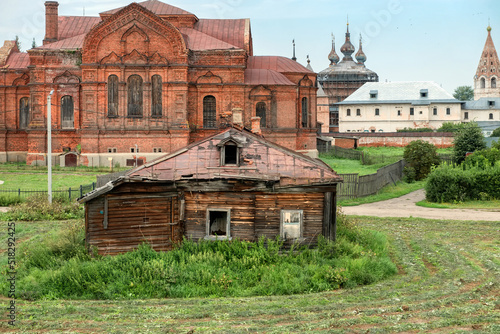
(234, 184)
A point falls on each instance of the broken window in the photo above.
(112, 96)
(305, 113)
(230, 154)
(156, 92)
(24, 112)
(261, 112)
(67, 112)
(291, 224)
(209, 112)
(134, 87)
(218, 223)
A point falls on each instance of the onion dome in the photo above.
(347, 49)
(360, 56)
(333, 56)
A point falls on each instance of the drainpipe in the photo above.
(49, 142)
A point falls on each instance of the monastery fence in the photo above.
(355, 185)
(70, 193)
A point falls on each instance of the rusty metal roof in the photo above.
(17, 60)
(157, 7)
(266, 77)
(198, 41)
(71, 43)
(276, 63)
(230, 31)
(70, 26)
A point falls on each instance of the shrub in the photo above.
(37, 207)
(450, 127)
(448, 184)
(495, 133)
(415, 130)
(483, 158)
(421, 156)
(468, 139)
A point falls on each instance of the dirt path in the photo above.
(405, 207)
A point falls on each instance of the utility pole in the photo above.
(49, 142)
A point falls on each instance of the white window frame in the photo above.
(282, 223)
(208, 235)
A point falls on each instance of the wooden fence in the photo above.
(70, 193)
(358, 186)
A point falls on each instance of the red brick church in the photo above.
(140, 81)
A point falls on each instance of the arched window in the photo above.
(209, 112)
(156, 96)
(112, 96)
(483, 83)
(305, 113)
(24, 112)
(491, 116)
(67, 112)
(493, 82)
(348, 113)
(260, 111)
(134, 88)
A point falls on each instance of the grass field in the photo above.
(39, 181)
(389, 192)
(448, 282)
(489, 205)
(346, 166)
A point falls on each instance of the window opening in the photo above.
(24, 111)
(135, 95)
(67, 112)
(209, 112)
(261, 112)
(112, 96)
(291, 221)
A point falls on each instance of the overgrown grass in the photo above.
(37, 208)
(487, 205)
(448, 282)
(388, 192)
(39, 181)
(59, 267)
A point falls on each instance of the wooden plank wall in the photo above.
(132, 220)
(242, 213)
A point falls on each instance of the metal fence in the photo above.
(358, 186)
(70, 193)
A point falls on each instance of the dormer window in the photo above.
(229, 152)
(373, 94)
(491, 103)
(424, 93)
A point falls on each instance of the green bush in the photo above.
(59, 267)
(450, 127)
(415, 130)
(467, 139)
(459, 184)
(483, 158)
(421, 156)
(495, 133)
(37, 207)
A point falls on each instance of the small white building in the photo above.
(391, 106)
(485, 111)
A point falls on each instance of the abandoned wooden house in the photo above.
(234, 184)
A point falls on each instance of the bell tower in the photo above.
(488, 71)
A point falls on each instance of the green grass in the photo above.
(39, 181)
(396, 151)
(59, 267)
(389, 192)
(487, 205)
(346, 166)
(448, 282)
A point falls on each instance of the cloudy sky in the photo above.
(404, 40)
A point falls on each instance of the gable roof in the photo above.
(157, 7)
(261, 161)
(400, 92)
(276, 63)
(482, 104)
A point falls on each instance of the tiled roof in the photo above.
(71, 43)
(70, 26)
(157, 7)
(265, 77)
(18, 60)
(276, 63)
(482, 104)
(198, 41)
(230, 31)
(400, 92)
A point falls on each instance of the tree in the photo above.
(468, 139)
(464, 93)
(495, 133)
(420, 156)
(18, 43)
(33, 45)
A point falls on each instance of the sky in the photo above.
(404, 40)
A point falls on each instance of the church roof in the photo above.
(157, 7)
(17, 60)
(71, 26)
(198, 41)
(489, 64)
(71, 43)
(400, 92)
(266, 77)
(233, 32)
(277, 64)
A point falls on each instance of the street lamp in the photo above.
(49, 142)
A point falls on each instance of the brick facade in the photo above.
(193, 58)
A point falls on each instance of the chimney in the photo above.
(51, 22)
(256, 126)
(238, 117)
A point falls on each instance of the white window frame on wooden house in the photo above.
(291, 225)
(227, 154)
(211, 223)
